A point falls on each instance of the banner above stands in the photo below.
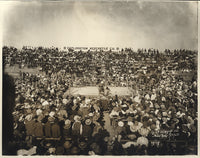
(117, 49)
(91, 48)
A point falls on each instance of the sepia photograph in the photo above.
(108, 78)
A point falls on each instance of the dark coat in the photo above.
(47, 129)
(30, 127)
(38, 129)
(76, 128)
(117, 148)
(87, 131)
(55, 130)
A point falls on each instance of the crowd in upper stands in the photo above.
(160, 117)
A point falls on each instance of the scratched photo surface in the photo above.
(100, 78)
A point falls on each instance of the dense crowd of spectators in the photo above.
(159, 118)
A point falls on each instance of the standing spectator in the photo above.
(87, 129)
(38, 129)
(67, 129)
(47, 129)
(77, 126)
(55, 130)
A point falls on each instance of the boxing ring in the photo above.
(94, 91)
